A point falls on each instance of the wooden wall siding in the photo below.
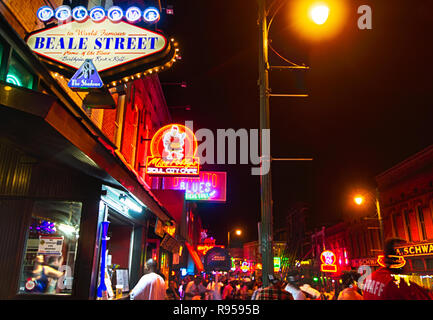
(14, 219)
(52, 181)
(15, 171)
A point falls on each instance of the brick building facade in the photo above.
(406, 197)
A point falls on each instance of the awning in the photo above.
(195, 257)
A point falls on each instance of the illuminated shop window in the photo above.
(18, 74)
(51, 248)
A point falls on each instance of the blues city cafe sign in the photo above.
(209, 186)
(116, 46)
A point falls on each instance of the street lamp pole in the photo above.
(265, 179)
(238, 232)
(376, 198)
(379, 217)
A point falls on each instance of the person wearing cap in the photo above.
(274, 291)
(382, 284)
(293, 282)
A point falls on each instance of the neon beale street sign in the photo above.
(209, 186)
(108, 44)
(173, 150)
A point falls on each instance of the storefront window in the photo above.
(18, 74)
(51, 248)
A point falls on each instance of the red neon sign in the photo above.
(173, 150)
(400, 261)
(328, 261)
(209, 186)
(204, 248)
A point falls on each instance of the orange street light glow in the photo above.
(317, 19)
(319, 13)
(238, 232)
(358, 200)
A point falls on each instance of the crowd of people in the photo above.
(382, 284)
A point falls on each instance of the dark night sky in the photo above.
(369, 106)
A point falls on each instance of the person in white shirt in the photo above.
(151, 286)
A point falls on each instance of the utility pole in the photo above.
(379, 217)
(265, 179)
(266, 232)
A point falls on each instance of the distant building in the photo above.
(406, 203)
(406, 198)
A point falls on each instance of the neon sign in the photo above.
(151, 15)
(209, 186)
(173, 150)
(108, 44)
(328, 261)
(415, 250)
(245, 267)
(400, 262)
(63, 13)
(45, 13)
(14, 80)
(277, 264)
(98, 13)
(119, 50)
(79, 13)
(203, 248)
(115, 14)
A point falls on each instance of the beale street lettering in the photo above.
(98, 43)
(108, 44)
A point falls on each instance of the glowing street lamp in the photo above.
(358, 200)
(319, 13)
(238, 232)
(374, 198)
(299, 10)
